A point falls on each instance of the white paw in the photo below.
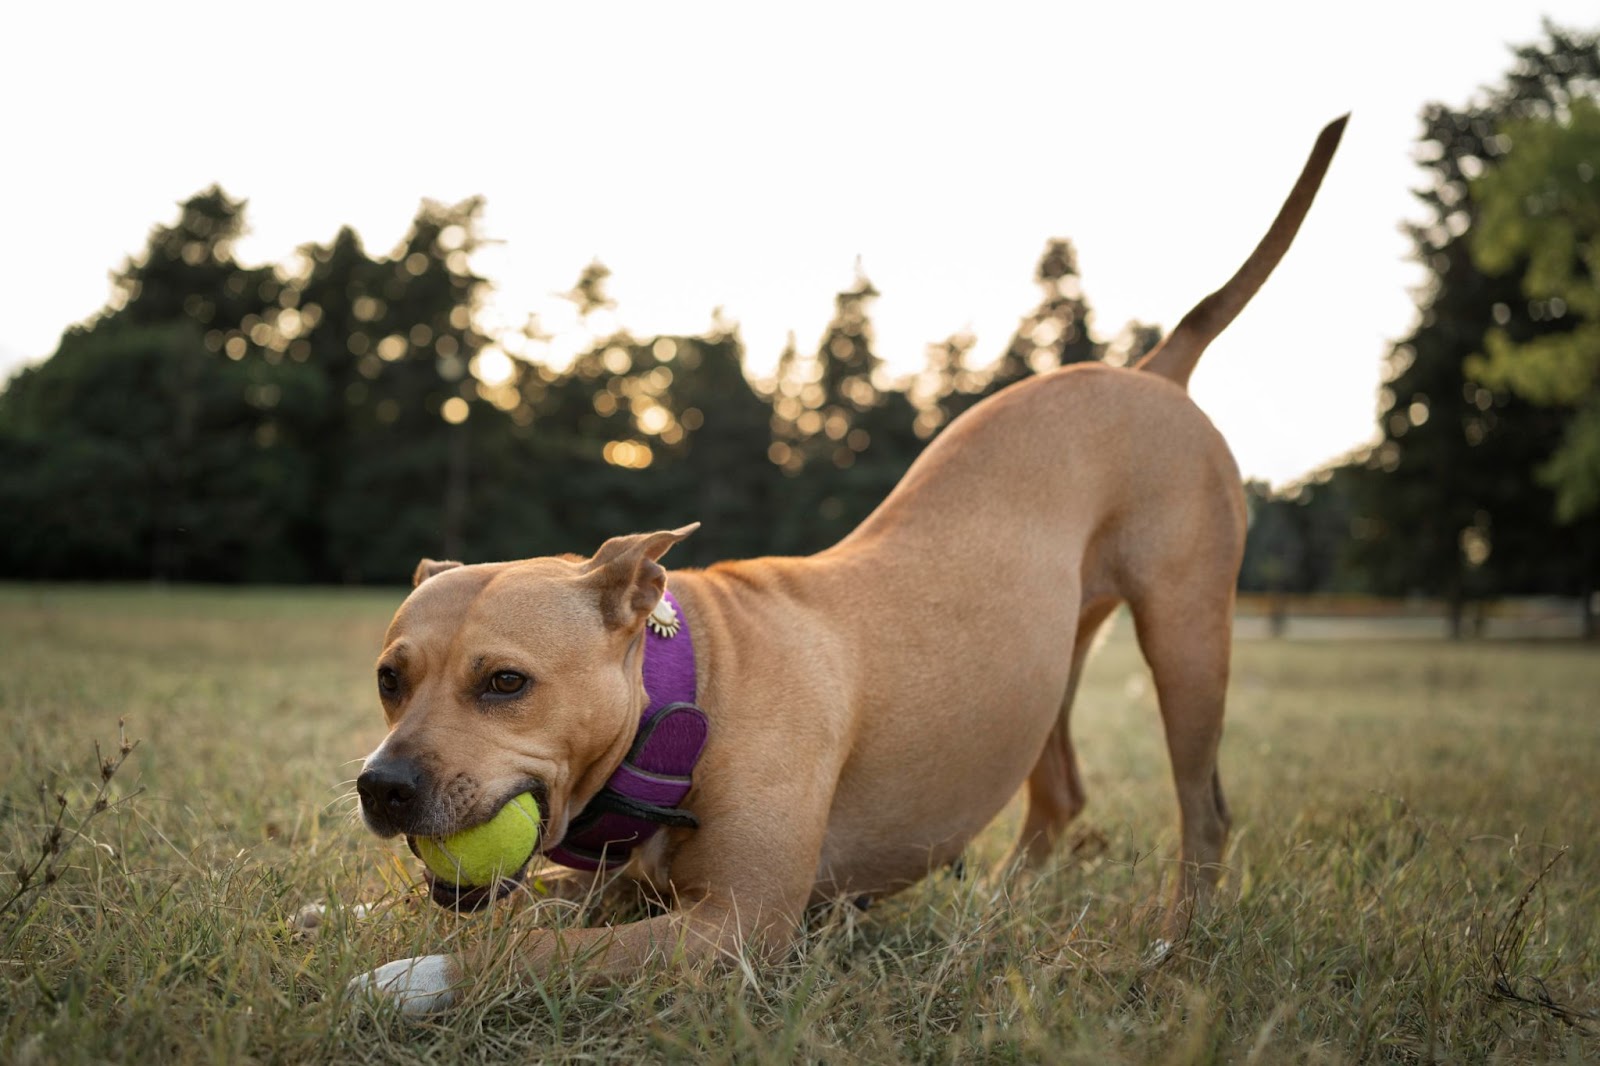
(417, 986)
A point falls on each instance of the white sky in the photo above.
(743, 155)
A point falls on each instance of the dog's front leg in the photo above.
(431, 983)
(739, 884)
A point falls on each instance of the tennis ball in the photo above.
(485, 853)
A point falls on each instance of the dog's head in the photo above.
(504, 678)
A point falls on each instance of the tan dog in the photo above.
(871, 707)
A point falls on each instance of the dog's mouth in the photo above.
(469, 898)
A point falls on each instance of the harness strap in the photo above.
(643, 794)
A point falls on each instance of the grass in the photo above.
(1415, 874)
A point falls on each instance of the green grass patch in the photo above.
(1414, 876)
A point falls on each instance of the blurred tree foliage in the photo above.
(333, 418)
(841, 433)
(220, 422)
(1448, 502)
(1299, 538)
(1540, 206)
(1055, 333)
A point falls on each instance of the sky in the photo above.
(745, 155)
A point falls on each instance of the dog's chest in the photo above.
(648, 863)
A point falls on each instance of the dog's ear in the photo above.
(630, 578)
(428, 567)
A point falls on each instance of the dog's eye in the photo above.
(388, 681)
(507, 683)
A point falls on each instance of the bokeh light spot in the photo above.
(630, 454)
(492, 366)
(392, 348)
(654, 419)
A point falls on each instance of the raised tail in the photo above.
(1175, 357)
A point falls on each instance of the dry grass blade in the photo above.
(1505, 956)
(55, 838)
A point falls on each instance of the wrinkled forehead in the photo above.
(536, 599)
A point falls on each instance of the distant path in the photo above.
(1366, 618)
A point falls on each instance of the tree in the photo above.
(1539, 209)
(134, 452)
(1299, 538)
(395, 339)
(1448, 506)
(722, 475)
(842, 438)
(1055, 333)
(161, 403)
(253, 423)
(662, 431)
(188, 272)
(822, 398)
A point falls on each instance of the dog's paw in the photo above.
(416, 986)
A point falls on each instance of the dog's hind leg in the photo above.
(1185, 630)
(1055, 787)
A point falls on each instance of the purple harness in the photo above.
(643, 794)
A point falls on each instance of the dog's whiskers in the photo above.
(349, 797)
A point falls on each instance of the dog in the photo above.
(866, 711)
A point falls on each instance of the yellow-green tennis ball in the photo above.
(480, 855)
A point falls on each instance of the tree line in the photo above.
(332, 418)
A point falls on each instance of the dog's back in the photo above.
(994, 562)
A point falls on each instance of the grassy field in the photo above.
(1415, 874)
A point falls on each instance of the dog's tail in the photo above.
(1175, 357)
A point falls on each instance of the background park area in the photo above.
(214, 487)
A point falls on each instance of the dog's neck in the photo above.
(642, 794)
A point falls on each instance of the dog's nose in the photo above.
(388, 787)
